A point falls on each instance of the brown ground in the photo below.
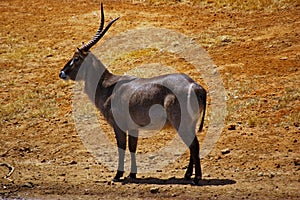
(257, 50)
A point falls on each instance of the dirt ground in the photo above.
(256, 50)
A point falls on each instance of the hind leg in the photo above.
(185, 127)
(132, 142)
(194, 148)
(189, 171)
(189, 137)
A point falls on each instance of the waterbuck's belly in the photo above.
(150, 117)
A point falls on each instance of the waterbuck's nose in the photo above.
(63, 75)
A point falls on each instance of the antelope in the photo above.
(130, 104)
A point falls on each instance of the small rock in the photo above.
(73, 162)
(218, 157)
(225, 151)
(232, 127)
(225, 39)
(295, 141)
(283, 58)
(297, 162)
(260, 174)
(28, 185)
(154, 190)
(271, 175)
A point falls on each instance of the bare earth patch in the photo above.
(255, 46)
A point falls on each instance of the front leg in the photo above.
(121, 142)
(118, 176)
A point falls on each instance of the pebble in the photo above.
(232, 127)
(297, 162)
(110, 183)
(283, 58)
(73, 162)
(272, 175)
(154, 190)
(28, 185)
(225, 151)
(225, 39)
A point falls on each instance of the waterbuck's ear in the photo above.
(82, 52)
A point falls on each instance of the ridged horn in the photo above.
(100, 32)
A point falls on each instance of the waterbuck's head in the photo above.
(71, 69)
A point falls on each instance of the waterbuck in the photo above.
(130, 104)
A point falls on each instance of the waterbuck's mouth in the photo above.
(63, 75)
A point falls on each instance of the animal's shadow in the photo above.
(178, 181)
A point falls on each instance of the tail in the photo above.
(201, 95)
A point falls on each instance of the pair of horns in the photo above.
(100, 33)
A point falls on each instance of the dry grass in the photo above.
(230, 4)
(250, 4)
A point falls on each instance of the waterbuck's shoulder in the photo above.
(112, 80)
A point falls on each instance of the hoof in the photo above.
(118, 176)
(116, 179)
(132, 175)
(197, 180)
(187, 176)
(130, 179)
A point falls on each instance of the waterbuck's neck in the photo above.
(94, 75)
(100, 83)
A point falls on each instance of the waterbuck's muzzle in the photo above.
(63, 75)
